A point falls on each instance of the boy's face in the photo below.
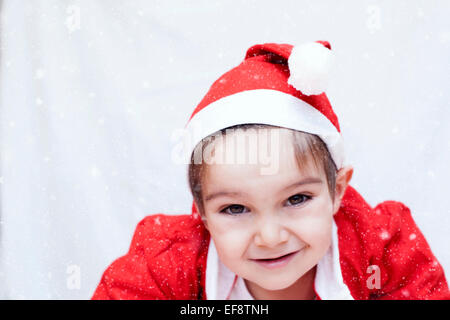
(267, 216)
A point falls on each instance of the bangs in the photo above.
(310, 152)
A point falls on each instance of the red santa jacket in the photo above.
(167, 258)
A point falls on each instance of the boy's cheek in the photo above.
(223, 229)
(314, 229)
(226, 227)
(321, 240)
(231, 245)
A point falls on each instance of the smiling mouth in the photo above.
(277, 258)
(278, 262)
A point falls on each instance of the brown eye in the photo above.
(298, 199)
(233, 209)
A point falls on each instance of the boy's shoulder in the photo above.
(164, 230)
(383, 253)
(374, 228)
(166, 260)
(171, 240)
(357, 216)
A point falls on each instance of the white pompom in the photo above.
(309, 65)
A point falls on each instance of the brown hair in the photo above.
(305, 146)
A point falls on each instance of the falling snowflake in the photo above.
(95, 172)
(73, 18)
(373, 22)
(444, 37)
(39, 74)
(384, 235)
(405, 293)
(420, 13)
(142, 200)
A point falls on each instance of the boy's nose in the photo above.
(270, 233)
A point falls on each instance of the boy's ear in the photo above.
(343, 177)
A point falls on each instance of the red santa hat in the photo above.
(276, 84)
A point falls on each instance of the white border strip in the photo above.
(263, 106)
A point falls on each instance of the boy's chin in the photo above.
(277, 283)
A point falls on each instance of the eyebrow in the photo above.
(309, 180)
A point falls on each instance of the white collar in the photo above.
(222, 283)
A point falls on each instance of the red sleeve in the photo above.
(166, 260)
(128, 277)
(408, 268)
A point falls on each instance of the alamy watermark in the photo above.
(253, 146)
(73, 18)
(73, 280)
(374, 280)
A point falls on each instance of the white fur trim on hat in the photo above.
(263, 106)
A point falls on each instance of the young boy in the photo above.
(287, 226)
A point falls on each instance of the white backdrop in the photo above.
(91, 92)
